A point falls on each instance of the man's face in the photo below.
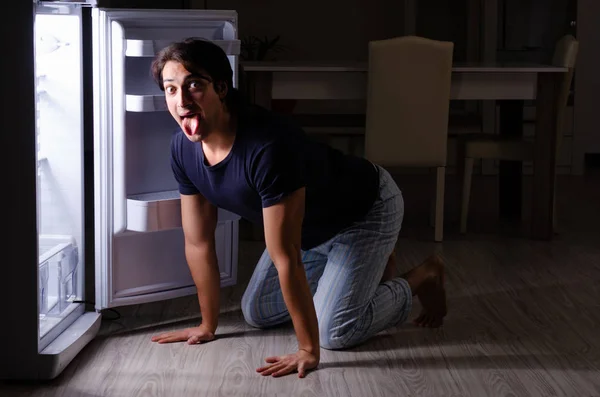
(192, 100)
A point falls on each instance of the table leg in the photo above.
(260, 88)
(510, 172)
(544, 156)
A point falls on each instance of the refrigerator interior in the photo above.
(139, 240)
(59, 144)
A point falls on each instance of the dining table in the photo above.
(510, 84)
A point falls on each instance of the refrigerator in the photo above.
(96, 212)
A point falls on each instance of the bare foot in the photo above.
(390, 271)
(427, 283)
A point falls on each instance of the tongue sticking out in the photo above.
(190, 125)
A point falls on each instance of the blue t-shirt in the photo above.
(272, 157)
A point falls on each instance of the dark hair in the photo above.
(199, 56)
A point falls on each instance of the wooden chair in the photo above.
(408, 101)
(486, 146)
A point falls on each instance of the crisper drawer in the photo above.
(58, 262)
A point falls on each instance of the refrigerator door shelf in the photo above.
(153, 211)
(156, 211)
(149, 48)
(145, 103)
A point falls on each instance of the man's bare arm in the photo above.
(199, 219)
(283, 229)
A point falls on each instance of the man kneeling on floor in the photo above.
(331, 220)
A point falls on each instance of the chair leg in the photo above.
(554, 223)
(432, 202)
(439, 203)
(554, 220)
(460, 169)
(466, 193)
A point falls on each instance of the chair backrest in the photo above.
(408, 101)
(565, 55)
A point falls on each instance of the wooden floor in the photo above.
(524, 320)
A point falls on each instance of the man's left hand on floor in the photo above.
(301, 361)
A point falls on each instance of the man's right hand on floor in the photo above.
(190, 335)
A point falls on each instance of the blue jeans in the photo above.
(344, 276)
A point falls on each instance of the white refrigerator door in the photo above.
(139, 241)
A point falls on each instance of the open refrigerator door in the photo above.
(140, 255)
